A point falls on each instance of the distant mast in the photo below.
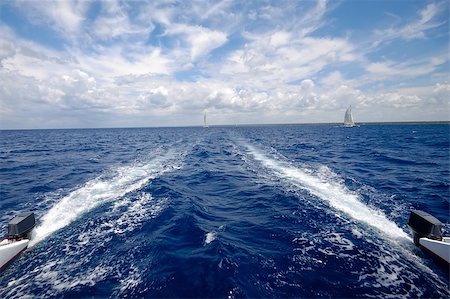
(204, 121)
(348, 120)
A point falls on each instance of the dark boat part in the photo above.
(21, 225)
(424, 225)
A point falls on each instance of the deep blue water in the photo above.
(263, 211)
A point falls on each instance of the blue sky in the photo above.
(164, 63)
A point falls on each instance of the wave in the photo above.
(401, 161)
(327, 188)
(75, 268)
(105, 188)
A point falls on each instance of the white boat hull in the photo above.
(439, 249)
(9, 250)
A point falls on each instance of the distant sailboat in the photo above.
(348, 120)
(205, 125)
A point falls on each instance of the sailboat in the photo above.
(204, 121)
(348, 119)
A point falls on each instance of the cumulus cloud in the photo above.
(154, 98)
(128, 63)
(396, 100)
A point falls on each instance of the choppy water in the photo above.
(264, 211)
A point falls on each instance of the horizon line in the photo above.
(236, 125)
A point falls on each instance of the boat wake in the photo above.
(106, 188)
(326, 186)
(333, 192)
(130, 205)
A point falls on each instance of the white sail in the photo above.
(348, 120)
(204, 121)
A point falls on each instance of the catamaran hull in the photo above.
(427, 234)
(9, 250)
(439, 250)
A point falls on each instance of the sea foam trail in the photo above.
(100, 190)
(336, 194)
(342, 199)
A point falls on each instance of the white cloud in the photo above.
(7, 48)
(200, 40)
(441, 94)
(392, 69)
(111, 62)
(115, 71)
(212, 9)
(405, 68)
(114, 22)
(397, 100)
(268, 61)
(64, 16)
(280, 38)
(437, 94)
(31, 59)
(156, 98)
(332, 79)
(413, 30)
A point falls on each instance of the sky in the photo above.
(89, 64)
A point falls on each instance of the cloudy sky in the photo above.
(71, 64)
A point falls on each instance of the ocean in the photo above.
(225, 212)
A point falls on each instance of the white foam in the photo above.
(131, 281)
(135, 212)
(209, 237)
(98, 191)
(326, 187)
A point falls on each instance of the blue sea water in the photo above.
(254, 211)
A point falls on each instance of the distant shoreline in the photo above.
(248, 125)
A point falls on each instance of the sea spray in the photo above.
(336, 194)
(150, 242)
(325, 186)
(100, 190)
